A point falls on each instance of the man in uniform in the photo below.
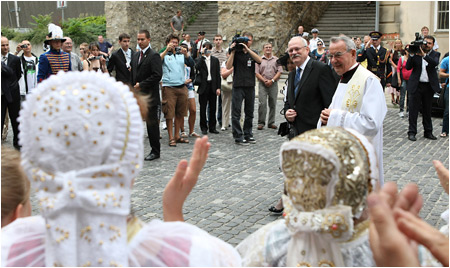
(377, 59)
(358, 102)
(54, 60)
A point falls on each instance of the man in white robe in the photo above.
(359, 102)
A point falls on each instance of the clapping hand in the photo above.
(390, 246)
(184, 179)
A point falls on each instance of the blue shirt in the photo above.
(173, 70)
(444, 65)
(104, 46)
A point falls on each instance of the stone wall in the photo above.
(154, 16)
(268, 21)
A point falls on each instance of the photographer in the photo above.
(29, 63)
(174, 91)
(243, 60)
(94, 61)
(422, 84)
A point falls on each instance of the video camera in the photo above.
(238, 39)
(415, 45)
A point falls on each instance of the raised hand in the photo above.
(184, 180)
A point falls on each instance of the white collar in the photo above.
(304, 64)
(145, 49)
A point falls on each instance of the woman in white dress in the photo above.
(82, 147)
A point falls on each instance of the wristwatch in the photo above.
(273, 81)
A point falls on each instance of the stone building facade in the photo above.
(269, 21)
(154, 16)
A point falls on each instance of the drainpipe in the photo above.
(17, 14)
(377, 15)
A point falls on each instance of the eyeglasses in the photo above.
(320, 44)
(296, 49)
(337, 55)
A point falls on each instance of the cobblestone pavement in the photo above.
(239, 184)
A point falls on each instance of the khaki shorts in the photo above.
(174, 102)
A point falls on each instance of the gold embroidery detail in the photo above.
(325, 263)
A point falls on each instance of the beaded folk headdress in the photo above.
(328, 174)
(82, 145)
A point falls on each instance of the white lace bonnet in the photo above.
(328, 174)
(82, 145)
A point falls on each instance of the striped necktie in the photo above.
(297, 79)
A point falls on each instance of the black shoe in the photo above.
(17, 147)
(205, 132)
(151, 157)
(430, 136)
(412, 137)
(244, 142)
(250, 140)
(275, 210)
(214, 131)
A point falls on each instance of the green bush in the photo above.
(85, 28)
(8, 32)
(82, 29)
(38, 31)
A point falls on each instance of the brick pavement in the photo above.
(239, 184)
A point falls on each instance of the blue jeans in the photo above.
(445, 123)
(402, 96)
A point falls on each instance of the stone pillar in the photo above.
(268, 21)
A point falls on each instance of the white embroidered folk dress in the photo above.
(82, 145)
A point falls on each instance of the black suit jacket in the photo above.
(316, 89)
(215, 74)
(385, 69)
(147, 73)
(415, 63)
(11, 86)
(119, 62)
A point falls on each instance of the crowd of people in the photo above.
(337, 209)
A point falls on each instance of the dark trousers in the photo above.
(153, 128)
(421, 98)
(445, 123)
(208, 97)
(13, 110)
(239, 94)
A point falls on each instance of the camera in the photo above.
(178, 50)
(24, 46)
(238, 39)
(97, 57)
(415, 45)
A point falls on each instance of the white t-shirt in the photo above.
(30, 73)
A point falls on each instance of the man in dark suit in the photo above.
(120, 60)
(310, 87)
(209, 89)
(146, 72)
(422, 84)
(377, 59)
(11, 73)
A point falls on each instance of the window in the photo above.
(442, 15)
